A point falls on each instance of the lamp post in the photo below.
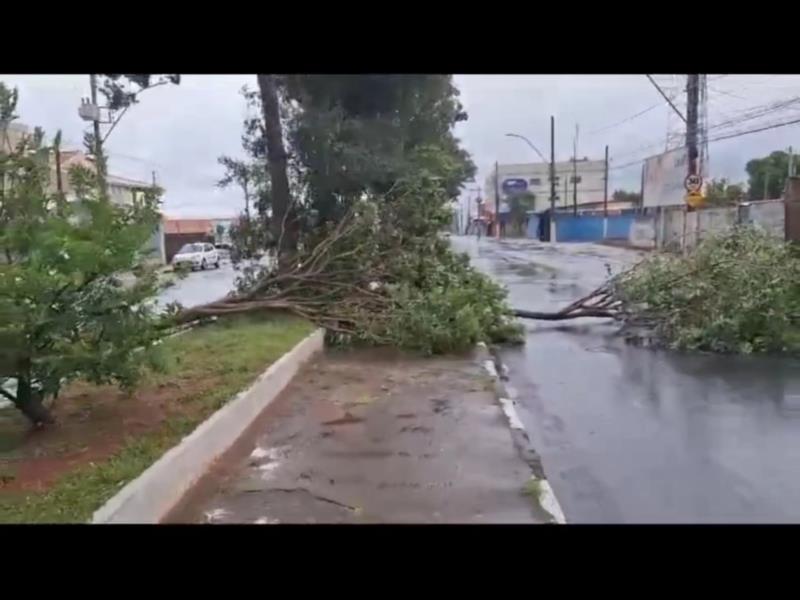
(551, 164)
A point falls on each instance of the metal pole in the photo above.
(497, 199)
(552, 178)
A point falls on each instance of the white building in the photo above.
(535, 178)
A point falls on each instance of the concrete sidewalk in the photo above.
(373, 437)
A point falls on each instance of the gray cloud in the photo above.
(179, 131)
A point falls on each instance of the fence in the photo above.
(593, 227)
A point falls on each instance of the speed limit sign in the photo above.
(693, 183)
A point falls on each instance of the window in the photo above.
(535, 181)
(209, 247)
(574, 179)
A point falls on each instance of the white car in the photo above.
(199, 255)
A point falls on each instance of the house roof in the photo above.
(188, 225)
(127, 182)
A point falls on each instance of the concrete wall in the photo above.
(675, 229)
(592, 227)
(769, 215)
(643, 232)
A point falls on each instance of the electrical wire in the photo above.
(717, 139)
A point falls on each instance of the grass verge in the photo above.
(205, 368)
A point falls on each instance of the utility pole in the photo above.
(552, 178)
(99, 159)
(605, 187)
(497, 199)
(791, 163)
(566, 192)
(575, 172)
(692, 101)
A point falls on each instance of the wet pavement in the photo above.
(200, 287)
(631, 435)
(370, 436)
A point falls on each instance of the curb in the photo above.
(151, 496)
(546, 497)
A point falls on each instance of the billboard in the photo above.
(663, 178)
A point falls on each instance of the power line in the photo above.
(720, 138)
(667, 98)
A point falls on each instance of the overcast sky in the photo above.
(179, 131)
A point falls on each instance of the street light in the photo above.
(530, 143)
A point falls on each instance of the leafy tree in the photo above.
(64, 312)
(371, 165)
(240, 173)
(719, 192)
(122, 91)
(357, 134)
(626, 196)
(767, 175)
(519, 205)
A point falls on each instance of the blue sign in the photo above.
(514, 186)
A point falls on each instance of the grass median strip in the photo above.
(105, 438)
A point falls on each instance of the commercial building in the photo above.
(583, 180)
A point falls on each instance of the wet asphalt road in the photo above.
(200, 287)
(630, 435)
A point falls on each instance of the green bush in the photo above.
(737, 292)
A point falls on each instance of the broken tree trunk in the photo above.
(600, 303)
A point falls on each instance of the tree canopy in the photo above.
(65, 313)
(767, 175)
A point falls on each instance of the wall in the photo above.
(578, 228)
(619, 226)
(769, 215)
(642, 233)
(676, 229)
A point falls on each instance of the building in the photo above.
(122, 191)
(535, 178)
(178, 232)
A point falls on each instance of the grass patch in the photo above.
(217, 362)
(533, 490)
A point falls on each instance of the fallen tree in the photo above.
(382, 275)
(738, 292)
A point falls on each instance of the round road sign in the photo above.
(693, 183)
